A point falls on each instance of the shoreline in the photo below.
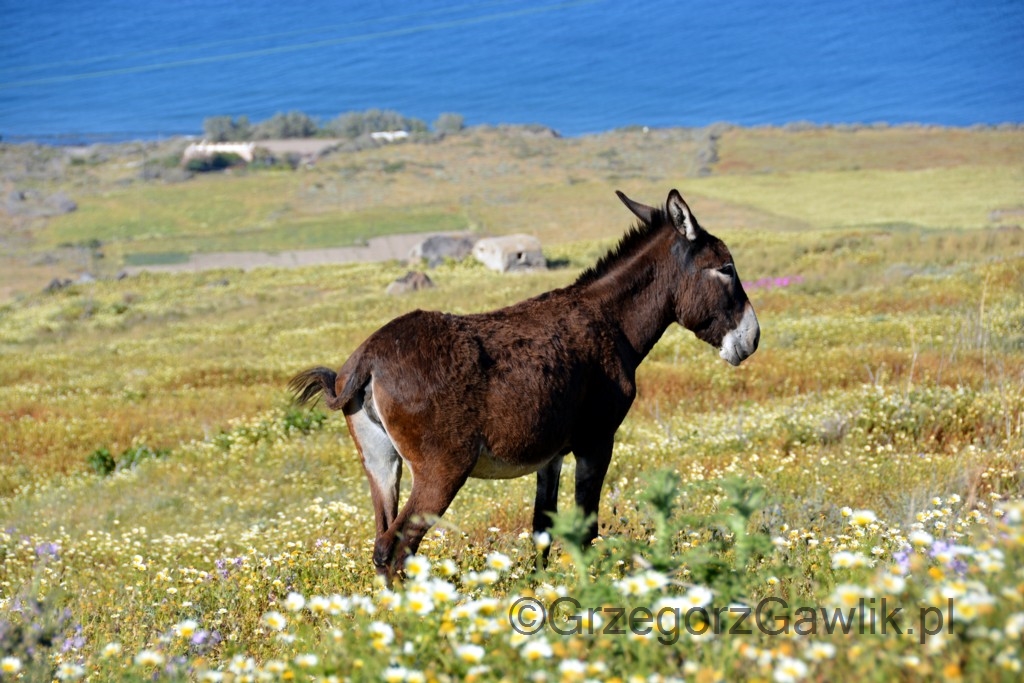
(86, 140)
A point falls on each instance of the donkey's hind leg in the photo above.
(383, 466)
(434, 485)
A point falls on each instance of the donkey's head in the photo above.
(709, 299)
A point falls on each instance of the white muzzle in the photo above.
(742, 340)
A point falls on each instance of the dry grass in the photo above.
(890, 376)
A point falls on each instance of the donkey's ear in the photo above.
(681, 216)
(641, 211)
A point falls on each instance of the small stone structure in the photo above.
(436, 248)
(204, 150)
(389, 135)
(410, 282)
(510, 253)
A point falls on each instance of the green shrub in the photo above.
(294, 124)
(227, 129)
(101, 462)
(215, 162)
(356, 124)
(449, 123)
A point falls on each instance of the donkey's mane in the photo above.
(630, 243)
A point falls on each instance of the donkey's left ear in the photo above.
(641, 211)
(681, 216)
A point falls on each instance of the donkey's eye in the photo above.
(728, 270)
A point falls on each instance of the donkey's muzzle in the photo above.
(741, 341)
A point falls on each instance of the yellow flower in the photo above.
(419, 603)
(388, 600)
(951, 671)
(892, 583)
(447, 568)
(536, 649)
(275, 666)
(820, 651)
(69, 672)
(111, 650)
(417, 567)
(306, 661)
(862, 517)
(848, 595)
(498, 561)
(789, 670)
(844, 559)
(381, 633)
(471, 654)
(10, 665)
(275, 621)
(920, 539)
(1014, 625)
(294, 602)
(319, 604)
(149, 658)
(186, 629)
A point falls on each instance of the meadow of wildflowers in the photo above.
(847, 504)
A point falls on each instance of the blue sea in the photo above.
(74, 71)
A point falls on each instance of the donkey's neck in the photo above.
(636, 293)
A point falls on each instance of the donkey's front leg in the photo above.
(546, 502)
(591, 467)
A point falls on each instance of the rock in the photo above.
(47, 259)
(510, 253)
(57, 284)
(410, 282)
(60, 203)
(436, 248)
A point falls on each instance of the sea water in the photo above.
(120, 69)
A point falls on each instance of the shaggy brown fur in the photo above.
(512, 391)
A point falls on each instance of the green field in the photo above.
(166, 512)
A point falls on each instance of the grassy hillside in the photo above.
(161, 499)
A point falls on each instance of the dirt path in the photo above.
(387, 248)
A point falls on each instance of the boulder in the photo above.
(57, 284)
(60, 203)
(410, 282)
(436, 248)
(510, 253)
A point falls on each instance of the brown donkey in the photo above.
(508, 393)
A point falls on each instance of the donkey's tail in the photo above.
(309, 384)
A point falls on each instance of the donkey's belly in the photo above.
(490, 467)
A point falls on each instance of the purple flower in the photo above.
(48, 551)
(74, 643)
(902, 558)
(772, 282)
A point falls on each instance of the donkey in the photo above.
(511, 392)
